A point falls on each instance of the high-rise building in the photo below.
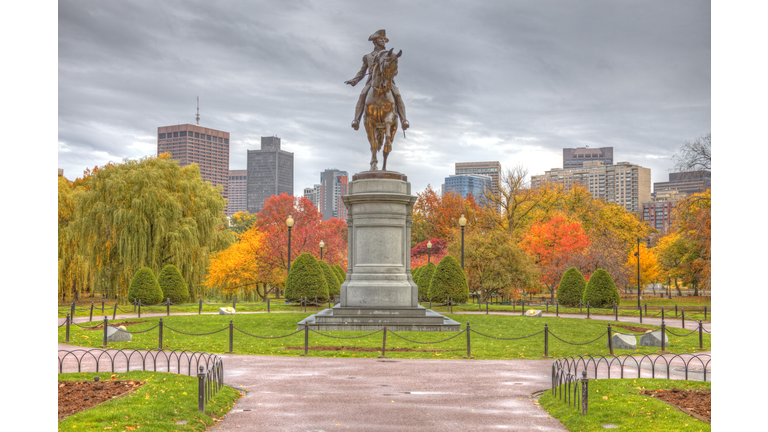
(208, 148)
(575, 157)
(623, 183)
(315, 194)
(469, 184)
(688, 182)
(333, 185)
(270, 172)
(490, 169)
(237, 191)
(658, 212)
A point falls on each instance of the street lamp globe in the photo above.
(289, 221)
(429, 245)
(322, 244)
(462, 221)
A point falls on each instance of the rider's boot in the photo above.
(358, 111)
(401, 110)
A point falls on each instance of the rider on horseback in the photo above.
(369, 60)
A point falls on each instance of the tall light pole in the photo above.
(289, 224)
(637, 254)
(322, 245)
(462, 223)
(429, 252)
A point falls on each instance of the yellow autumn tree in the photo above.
(649, 266)
(241, 267)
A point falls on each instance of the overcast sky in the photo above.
(481, 80)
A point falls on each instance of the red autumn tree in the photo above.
(420, 254)
(555, 245)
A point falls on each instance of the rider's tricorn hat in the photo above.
(378, 34)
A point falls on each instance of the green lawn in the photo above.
(618, 402)
(573, 330)
(158, 405)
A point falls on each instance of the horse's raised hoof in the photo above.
(405, 124)
(355, 124)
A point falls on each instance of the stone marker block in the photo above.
(653, 339)
(533, 313)
(226, 311)
(622, 341)
(115, 334)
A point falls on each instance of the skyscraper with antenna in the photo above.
(206, 147)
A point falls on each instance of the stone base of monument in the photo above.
(379, 290)
(371, 319)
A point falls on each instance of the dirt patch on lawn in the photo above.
(365, 349)
(117, 324)
(76, 396)
(632, 328)
(696, 403)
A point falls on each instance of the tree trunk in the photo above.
(680, 293)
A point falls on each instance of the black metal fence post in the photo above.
(200, 307)
(231, 336)
(675, 310)
(682, 316)
(317, 305)
(114, 313)
(139, 308)
(646, 308)
(201, 390)
(384, 344)
(104, 340)
(160, 335)
(479, 305)
(486, 307)
(522, 310)
(469, 344)
(587, 310)
(306, 339)
(513, 305)
(72, 314)
(90, 317)
(168, 307)
(663, 333)
(641, 315)
(701, 336)
(557, 308)
(547, 306)
(584, 393)
(705, 313)
(546, 340)
(267, 304)
(610, 340)
(66, 333)
(616, 311)
(102, 305)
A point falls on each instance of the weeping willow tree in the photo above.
(148, 213)
(73, 270)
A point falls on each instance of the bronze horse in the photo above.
(380, 110)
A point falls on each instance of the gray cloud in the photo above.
(482, 80)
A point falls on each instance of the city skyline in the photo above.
(520, 81)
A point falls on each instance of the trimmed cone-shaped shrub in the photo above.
(571, 288)
(144, 287)
(424, 278)
(306, 279)
(334, 286)
(172, 284)
(449, 281)
(340, 273)
(416, 273)
(600, 290)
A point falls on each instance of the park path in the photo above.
(322, 394)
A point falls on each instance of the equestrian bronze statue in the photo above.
(380, 99)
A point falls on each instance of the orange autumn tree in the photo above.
(555, 245)
(435, 216)
(241, 267)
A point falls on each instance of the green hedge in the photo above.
(173, 285)
(334, 286)
(144, 287)
(449, 281)
(306, 279)
(571, 288)
(600, 290)
(424, 278)
(340, 273)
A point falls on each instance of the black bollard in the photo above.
(114, 314)
(701, 336)
(104, 340)
(610, 340)
(231, 336)
(167, 307)
(90, 317)
(66, 334)
(469, 345)
(160, 335)
(546, 340)
(587, 310)
(267, 304)
(384, 344)
(200, 307)
(306, 339)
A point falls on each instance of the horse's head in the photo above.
(389, 63)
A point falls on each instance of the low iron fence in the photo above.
(209, 368)
(161, 327)
(570, 375)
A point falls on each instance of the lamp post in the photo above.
(289, 224)
(322, 245)
(637, 254)
(462, 223)
(429, 252)
(669, 286)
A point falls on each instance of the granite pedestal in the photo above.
(379, 290)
